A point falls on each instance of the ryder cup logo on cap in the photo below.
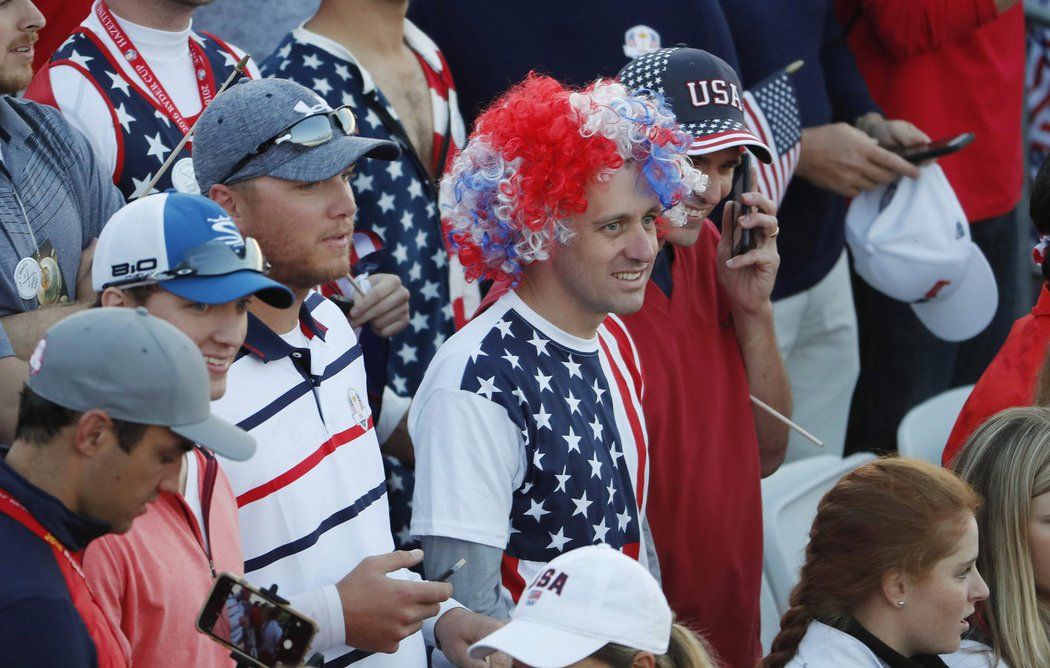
(640, 40)
(705, 94)
(582, 601)
(188, 245)
(911, 241)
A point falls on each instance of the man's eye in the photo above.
(612, 227)
(649, 221)
(201, 308)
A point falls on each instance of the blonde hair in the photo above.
(889, 513)
(686, 650)
(1007, 460)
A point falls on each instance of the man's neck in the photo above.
(36, 463)
(280, 320)
(156, 14)
(564, 315)
(374, 26)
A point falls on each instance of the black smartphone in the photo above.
(259, 628)
(936, 149)
(741, 185)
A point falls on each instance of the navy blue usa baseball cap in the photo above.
(705, 94)
(189, 246)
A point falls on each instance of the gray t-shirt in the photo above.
(50, 172)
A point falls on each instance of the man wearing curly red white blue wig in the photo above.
(529, 433)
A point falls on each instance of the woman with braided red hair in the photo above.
(890, 577)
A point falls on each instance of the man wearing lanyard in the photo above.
(133, 78)
(99, 436)
(181, 257)
(54, 199)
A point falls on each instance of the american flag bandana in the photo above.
(771, 112)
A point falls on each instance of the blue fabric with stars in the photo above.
(396, 200)
(577, 488)
(147, 135)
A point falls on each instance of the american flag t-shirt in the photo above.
(771, 112)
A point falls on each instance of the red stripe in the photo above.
(623, 340)
(512, 579)
(305, 466)
(632, 418)
(632, 550)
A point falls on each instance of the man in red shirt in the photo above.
(709, 451)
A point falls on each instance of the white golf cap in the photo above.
(584, 600)
(911, 241)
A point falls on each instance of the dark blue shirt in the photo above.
(769, 36)
(490, 46)
(40, 626)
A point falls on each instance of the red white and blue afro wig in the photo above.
(526, 168)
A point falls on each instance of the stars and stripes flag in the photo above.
(771, 112)
(1037, 93)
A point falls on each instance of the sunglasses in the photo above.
(309, 132)
(212, 258)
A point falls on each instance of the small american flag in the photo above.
(771, 112)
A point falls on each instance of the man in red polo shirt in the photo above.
(710, 450)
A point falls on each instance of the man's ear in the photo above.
(92, 430)
(115, 297)
(643, 660)
(227, 198)
(894, 587)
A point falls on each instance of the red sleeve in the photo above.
(106, 577)
(910, 27)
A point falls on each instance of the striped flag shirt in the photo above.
(771, 112)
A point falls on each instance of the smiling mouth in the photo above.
(628, 275)
(217, 364)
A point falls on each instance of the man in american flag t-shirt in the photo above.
(528, 429)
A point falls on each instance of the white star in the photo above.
(540, 344)
(572, 440)
(574, 404)
(406, 220)
(407, 353)
(544, 381)
(372, 119)
(582, 504)
(322, 86)
(526, 488)
(363, 183)
(615, 452)
(430, 208)
(525, 440)
(536, 457)
(439, 338)
(513, 359)
(421, 238)
(504, 328)
(162, 118)
(394, 170)
(396, 483)
(400, 253)
(536, 509)
(563, 478)
(597, 428)
(400, 385)
(347, 99)
(311, 61)
(342, 71)
(415, 189)
(612, 490)
(405, 535)
(598, 391)
(124, 118)
(543, 418)
(416, 272)
(558, 540)
(596, 466)
(285, 50)
(140, 186)
(118, 82)
(79, 59)
(478, 353)
(488, 387)
(439, 258)
(386, 202)
(623, 520)
(430, 290)
(574, 368)
(520, 395)
(418, 322)
(157, 148)
(599, 531)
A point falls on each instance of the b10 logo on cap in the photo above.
(133, 267)
(714, 91)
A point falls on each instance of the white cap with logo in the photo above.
(910, 240)
(584, 600)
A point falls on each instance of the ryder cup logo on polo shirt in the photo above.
(640, 40)
(358, 408)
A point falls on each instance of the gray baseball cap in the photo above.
(254, 111)
(137, 368)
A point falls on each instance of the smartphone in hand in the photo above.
(936, 149)
(741, 241)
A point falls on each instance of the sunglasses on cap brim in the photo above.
(212, 258)
(309, 132)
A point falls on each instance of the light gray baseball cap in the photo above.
(137, 368)
(254, 111)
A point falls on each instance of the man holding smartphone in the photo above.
(715, 312)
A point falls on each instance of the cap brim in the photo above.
(967, 311)
(737, 136)
(321, 163)
(230, 287)
(219, 436)
(537, 645)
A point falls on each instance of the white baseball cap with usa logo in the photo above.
(582, 601)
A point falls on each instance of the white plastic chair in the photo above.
(924, 431)
(789, 504)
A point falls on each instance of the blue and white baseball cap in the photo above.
(189, 246)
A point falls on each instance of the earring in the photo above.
(900, 604)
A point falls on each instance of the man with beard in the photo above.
(54, 199)
(133, 77)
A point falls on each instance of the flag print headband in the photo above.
(525, 170)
